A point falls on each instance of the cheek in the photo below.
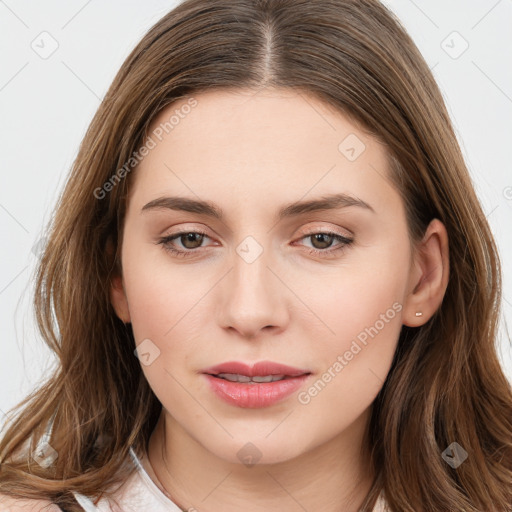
(165, 308)
(166, 303)
(366, 291)
(356, 341)
(160, 293)
(367, 307)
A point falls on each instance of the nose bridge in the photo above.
(250, 268)
(253, 297)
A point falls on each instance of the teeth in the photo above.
(268, 378)
(235, 377)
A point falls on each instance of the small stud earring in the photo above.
(419, 313)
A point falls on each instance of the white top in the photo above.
(140, 494)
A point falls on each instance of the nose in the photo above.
(252, 299)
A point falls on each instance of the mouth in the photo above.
(257, 379)
(260, 385)
(262, 371)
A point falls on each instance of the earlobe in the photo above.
(428, 278)
(118, 299)
(117, 292)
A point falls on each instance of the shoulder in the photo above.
(8, 504)
(381, 504)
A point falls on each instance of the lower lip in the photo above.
(257, 395)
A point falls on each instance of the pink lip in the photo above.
(261, 368)
(255, 395)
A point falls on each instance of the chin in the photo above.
(252, 451)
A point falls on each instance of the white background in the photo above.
(47, 104)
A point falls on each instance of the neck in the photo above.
(330, 477)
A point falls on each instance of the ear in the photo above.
(117, 292)
(428, 276)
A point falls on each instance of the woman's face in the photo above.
(271, 277)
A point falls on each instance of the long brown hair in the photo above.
(446, 383)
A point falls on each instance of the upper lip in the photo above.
(261, 368)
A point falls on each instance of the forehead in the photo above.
(247, 116)
(258, 145)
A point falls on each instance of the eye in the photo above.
(322, 242)
(190, 241)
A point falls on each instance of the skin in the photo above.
(251, 152)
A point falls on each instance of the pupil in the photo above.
(320, 236)
(190, 237)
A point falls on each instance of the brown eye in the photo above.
(321, 240)
(191, 240)
(328, 244)
(184, 243)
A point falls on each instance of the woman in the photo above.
(269, 282)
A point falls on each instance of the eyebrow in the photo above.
(326, 202)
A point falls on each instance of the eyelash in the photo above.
(345, 242)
